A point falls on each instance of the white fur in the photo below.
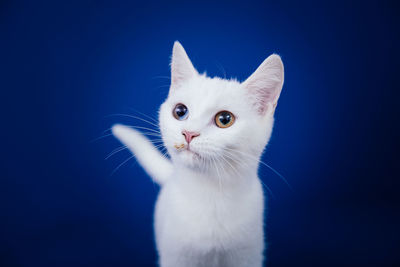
(210, 208)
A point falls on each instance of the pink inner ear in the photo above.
(263, 92)
(265, 84)
(177, 77)
(265, 99)
(180, 72)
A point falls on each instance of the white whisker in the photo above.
(133, 117)
(119, 166)
(115, 151)
(240, 163)
(143, 128)
(147, 116)
(262, 162)
(101, 137)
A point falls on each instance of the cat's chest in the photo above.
(208, 213)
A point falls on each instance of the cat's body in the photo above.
(199, 223)
(210, 208)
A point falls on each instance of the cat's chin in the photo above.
(190, 155)
(190, 158)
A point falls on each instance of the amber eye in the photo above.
(224, 119)
(180, 112)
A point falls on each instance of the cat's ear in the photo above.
(265, 84)
(181, 67)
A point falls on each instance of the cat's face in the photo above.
(208, 121)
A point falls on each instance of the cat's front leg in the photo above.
(154, 163)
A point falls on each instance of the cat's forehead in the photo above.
(205, 92)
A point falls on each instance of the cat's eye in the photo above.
(180, 112)
(224, 119)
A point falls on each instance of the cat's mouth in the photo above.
(187, 152)
(185, 149)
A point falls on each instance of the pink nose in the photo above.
(189, 135)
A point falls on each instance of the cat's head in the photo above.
(207, 121)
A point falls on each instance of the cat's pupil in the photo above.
(225, 118)
(180, 110)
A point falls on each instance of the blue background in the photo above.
(64, 67)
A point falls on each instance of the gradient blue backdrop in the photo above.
(65, 66)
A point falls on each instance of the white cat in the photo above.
(210, 208)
